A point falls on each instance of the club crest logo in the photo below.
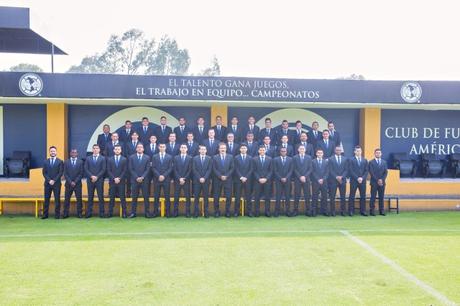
(411, 92)
(31, 84)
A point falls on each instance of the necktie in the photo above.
(359, 161)
(218, 128)
(139, 158)
(251, 127)
(332, 133)
(52, 162)
(222, 160)
(127, 132)
(172, 146)
(283, 159)
(162, 158)
(315, 133)
(231, 147)
(320, 162)
(211, 142)
(298, 132)
(163, 129)
(243, 158)
(134, 144)
(94, 159)
(73, 162)
(234, 129)
(327, 143)
(117, 161)
(145, 129)
(151, 148)
(378, 162)
(201, 130)
(268, 132)
(262, 160)
(182, 129)
(339, 160)
(301, 158)
(202, 160)
(183, 158)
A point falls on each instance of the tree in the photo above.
(353, 76)
(132, 53)
(25, 67)
(213, 70)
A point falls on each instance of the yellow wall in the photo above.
(219, 109)
(57, 128)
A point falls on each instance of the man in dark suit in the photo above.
(130, 149)
(285, 144)
(285, 131)
(236, 129)
(147, 129)
(298, 132)
(309, 149)
(52, 172)
(270, 149)
(358, 171)
(251, 127)
(182, 169)
(338, 173)
(333, 134)
(104, 138)
(109, 146)
(139, 168)
(163, 130)
(252, 145)
(319, 175)
(269, 131)
(172, 147)
(314, 135)
(181, 131)
(302, 171)
(223, 167)
(202, 170)
(211, 143)
(232, 147)
(126, 131)
(200, 131)
(282, 172)
(95, 167)
(262, 170)
(220, 130)
(378, 170)
(73, 173)
(162, 165)
(117, 166)
(152, 148)
(327, 145)
(242, 178)
(192, 145)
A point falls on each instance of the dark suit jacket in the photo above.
(130, 149)
(290, 134)
(235, 149)
(200, 137)
(242, 169)
(113, 171)
(273, 135)
(53, 172)
(337, 170)
(71, 173)
(182, 169)
(148, 149)
(223, 170)
(193, 149)
(378, 172)
(109, 148)
(309, 149)
(255, 131)
(356, 170)
(329, 150)
(262, 170)
(238, 133)
(144, 137)
(96, 169)
(211, 150)
(170, 150)
(314, 139)
(102, 140)
(283, 171)
(164, 168)
(181, 137)
(302, 168)
(320, 172)
(222, 134)
(162, 136)
(297, 136)
(139, 168)
(253, 150)
(123, 136)
(335, 137)
(201, 170)
(271, 151)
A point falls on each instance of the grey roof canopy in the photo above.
(16, 36)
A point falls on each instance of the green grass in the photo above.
(284, 261)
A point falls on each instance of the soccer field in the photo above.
(405, 259)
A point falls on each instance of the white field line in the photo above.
(192, 233)
(410, 277)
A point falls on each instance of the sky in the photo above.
(327, 39)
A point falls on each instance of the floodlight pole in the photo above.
(52, 58)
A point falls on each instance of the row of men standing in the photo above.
(251, 176)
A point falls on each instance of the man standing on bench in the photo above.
(52, 172)
(378, 170)
(95, 166)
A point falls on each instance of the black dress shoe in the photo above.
(57, 217)
(195, 215)
(295, 213)
(342, 214)
(79, 216)
(65, 216)
(332, 214)
(350, 214)
(217, 214)
(250, 215)
(382, 214)
(124, 216)
(44, 217)
(372, 214)
(276, 215)
(88, 216)
(132, 216)
(364, 214)
(206, 215)
(267, 214)
(235, 215)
